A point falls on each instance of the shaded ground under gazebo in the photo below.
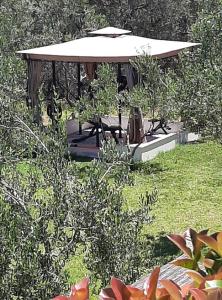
(107, 45)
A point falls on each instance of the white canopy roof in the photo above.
(110, 31)
(106, 49)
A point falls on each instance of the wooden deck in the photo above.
(88, 147)
(171, 272)
(168, 271)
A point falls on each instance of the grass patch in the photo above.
(189, 184)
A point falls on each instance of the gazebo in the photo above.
(107, 45)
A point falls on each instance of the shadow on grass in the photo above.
(163, 250)
(201, 141)
(82, 159)
(147, 167)
(79, 159)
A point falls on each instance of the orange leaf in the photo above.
(198, 294)
(80, 294)
(214, 294)
(208, 263)
(119, 289)
(209, 241)
(80, 291)
(219, 243)
(162, 294)
(152, 284)
(180, 242)
(84, 284)
(106, 294)
(184, 262)
(197, 244)
(135, 293)
(172, 289)
(185, 289)
(196, 277)
(217, 276)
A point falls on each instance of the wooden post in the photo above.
(97, 136)
(29, 102)
(53, 73)
(54, 86)
(79, 92)
(119, 74)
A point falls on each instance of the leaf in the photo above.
(209, 241)
(81, 294)
(219, 243)
(197, 244)
(217, 276)
(185, 289)
(196, 277)
(172, 289)
(152, 284)
(119, 289)
(136, 293)
(180, 242)
(80, 291)
(162, 294)
(204, 232)
(61, 298)
(185, 263)
(198, 294)
(208, 263)
(84, 284)
(214, 294)
(106, 294)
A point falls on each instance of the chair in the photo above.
(98, 125)
(161, 124)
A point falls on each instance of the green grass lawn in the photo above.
(189, 184)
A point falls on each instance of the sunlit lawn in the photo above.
(189, 184)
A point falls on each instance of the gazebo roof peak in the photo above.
(110, 31)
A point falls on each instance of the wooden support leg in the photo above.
(79, 92)
(97, 137)
(120, 112)
(120, 121)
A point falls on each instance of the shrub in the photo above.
(203, 287)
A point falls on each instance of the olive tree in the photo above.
(50, 206)
(198, 76)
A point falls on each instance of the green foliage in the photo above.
(38, 232)
(199, 98)
(198, 88)
(155, 92)
(103, 91)
(154, 19)
(48, 209)
(27, 24)
(115, 244)
(207, 30)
